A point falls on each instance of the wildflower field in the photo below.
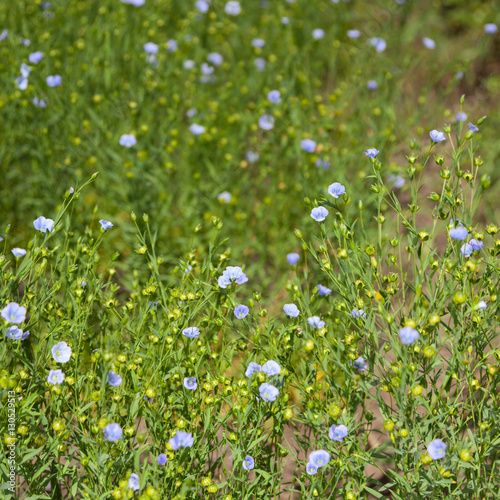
(249, 249)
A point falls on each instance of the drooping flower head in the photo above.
(18, 252)
(472, 127)
(181, 440)
(105, 224)
(436, 449)
(323, 290)
(268, 392)
(338, 432)
(316, 322)
(372, 153)
(61, 352)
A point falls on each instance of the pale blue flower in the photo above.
(252, 368)
(266, 122)
(260, 63)
(319, 458)
(461, 116)
(188, 64)
(490, 28)
(336, 189)
(320, 163)
(171, 45)
(39, 102)
(114, 379)
(408, 335)
(271, 368)
(285, 20)
(353, 34)
(318, 34)
(252, 157)
(225, 197)
(258, 43)
(472, 127)
(14, 313)
(151, 48)
(3, 35)
(311, 469)
(372, 85)
(105, 224)
(113, 432)
(232, 8)
(181, 440)
(190, 383)
(18, 252)
(358, 313)
(162, 459)
(379, 44)
(215, 58)
(268, 392)
(206, 69)
(360, 364)
(56, 377)
(429, 43)
(397, 181)
(291, 310)
(458, 233)
(437, 136)
(35, 57)
(308, 145)
(54, 80)
(372, 152)
(43, 225)
(481, 305)
(133, 482)
(196, 129)
(274, 96)
(241, 311)
(319, 214)
(436, 449)
(128, 140)
(466, 250)
(316, 322)
(248, 463)
(338, 432)
(202, 6)
(14, 333)
(323, 290)
(191, 332)
(476, 244)
(232, 274)
(61, 352)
